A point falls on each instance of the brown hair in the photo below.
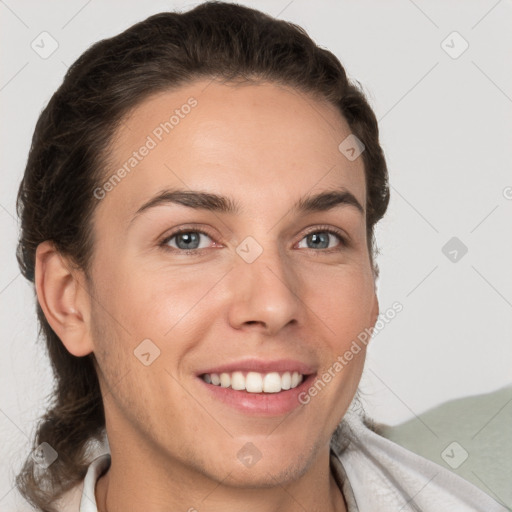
(68, 155)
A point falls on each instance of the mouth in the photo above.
(255, 382)
(258, 388)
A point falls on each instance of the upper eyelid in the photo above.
(179, 231)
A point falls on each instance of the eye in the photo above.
(321, 239)
(186, 241)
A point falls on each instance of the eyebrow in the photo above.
(199, 200)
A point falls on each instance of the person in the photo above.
(197, 217)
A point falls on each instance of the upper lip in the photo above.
(261, 366)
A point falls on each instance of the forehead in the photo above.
(261, 143)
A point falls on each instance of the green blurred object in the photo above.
(471, 436)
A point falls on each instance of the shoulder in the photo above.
(386, 477)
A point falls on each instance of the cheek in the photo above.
(138, 365)
(150, 301)
(171, 302)
(343, 299)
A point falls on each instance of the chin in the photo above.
(268, 474)
(264, 464)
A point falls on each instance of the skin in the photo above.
(172, 446)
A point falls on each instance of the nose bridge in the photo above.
(265, 287)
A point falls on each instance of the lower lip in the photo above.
(260, 404)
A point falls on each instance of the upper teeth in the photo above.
(254, 382)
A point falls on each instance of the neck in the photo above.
(139, 481)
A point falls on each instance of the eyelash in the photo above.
(196, 252)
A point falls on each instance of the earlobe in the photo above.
(63, 299)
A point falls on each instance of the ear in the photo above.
(63, 297)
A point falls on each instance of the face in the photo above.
(254, 287)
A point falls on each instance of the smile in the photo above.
(255, 382)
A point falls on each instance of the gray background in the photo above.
(445, 128)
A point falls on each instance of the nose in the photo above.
(264, 294)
